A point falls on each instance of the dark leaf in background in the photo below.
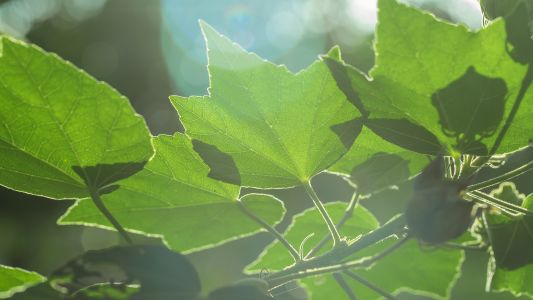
(155, 268)
(511, 240)
(380, 171)
(517, 25)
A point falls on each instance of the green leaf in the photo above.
(429, 73)
(410, 268)
(174, 198)
(511, 240)
(275, 257)
(13, 280)
(280, 128)
(511, 268)
(55, 117)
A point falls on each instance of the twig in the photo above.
(526, 82)
(347, 215)
(329, 222)
(493, 200)
(369, 284)
(95, 196)
(361, 263)
(271, 230)
(344, 285)
(504, 177)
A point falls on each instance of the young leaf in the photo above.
(280, 128)
(410, 268)
(54, 118)
(420, 62)
(13, 280)
(275, 256)
(174, 198)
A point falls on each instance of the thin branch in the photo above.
(493, 200)
(370, 285)
(481, 247)
(95, 196)
(392, 227)
(347, 215)
(504, 177)
(344, 285)
(361, 263)
(329, 222)
(271, 230)
(526, 82)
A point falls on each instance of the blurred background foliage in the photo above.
(149, 50)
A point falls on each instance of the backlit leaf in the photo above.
(173, 197)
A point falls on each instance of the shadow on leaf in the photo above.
(406, 134)
(470, 109)
(348, 131)
(222, 166)
(102, 176)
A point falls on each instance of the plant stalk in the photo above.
(295, 255)
(361, 263)
(369, 284)
(392, 227)
(347, 215)
(344, 285)
(95, 196)
(504, 177)
(323, 212)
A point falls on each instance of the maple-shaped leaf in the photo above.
(279, 128)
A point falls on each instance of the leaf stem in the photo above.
(344, 285)
(526, 82)
(504, 177)
(95, 196)
(271, 230)
(393, 226)
(481, 247)
(329, 222)
(369, 284)
(347, 215)
(361, 263)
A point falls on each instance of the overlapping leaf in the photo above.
(512, 245)
(173, 197)
(279, 128)
(374, 163)
(55, 117)
(444, 78)
(14, 280)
